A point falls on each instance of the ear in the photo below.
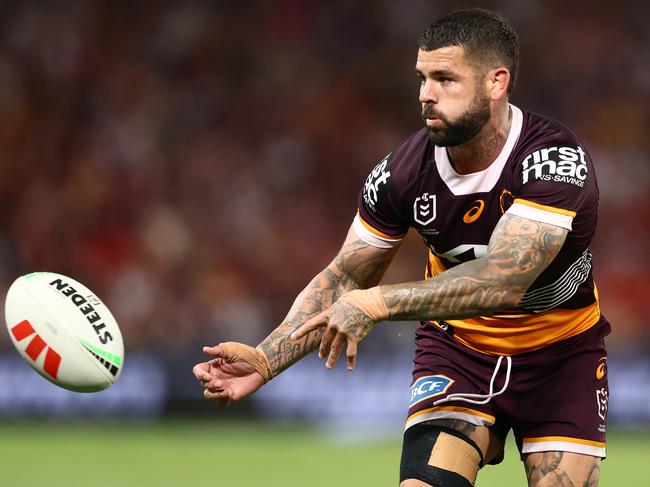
(497, 81)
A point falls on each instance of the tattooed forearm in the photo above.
(519, 250)
(319, 295)
(357, 266)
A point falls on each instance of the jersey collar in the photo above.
(481, 181)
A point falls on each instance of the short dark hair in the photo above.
(487, 37)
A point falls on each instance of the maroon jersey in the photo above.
(543, 174)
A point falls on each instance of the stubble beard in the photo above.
(465, 128)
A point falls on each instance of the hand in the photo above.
(343, 322)
(228, 377)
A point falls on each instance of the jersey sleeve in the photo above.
(556, 181)
(378, 221)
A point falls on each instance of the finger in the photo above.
(215, 384)
(214, 351)
(335, 350)
(318, 321)
(326, 342)
(201, 372)
(213, 394)
(351, 353)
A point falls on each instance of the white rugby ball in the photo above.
(64, 331)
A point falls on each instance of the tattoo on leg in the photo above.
(594, 475)
(549, 470)
(457, 425)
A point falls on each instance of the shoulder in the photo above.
(539, 131)
(395, 170)
(552, 177)
(548, 150)
(410, 153)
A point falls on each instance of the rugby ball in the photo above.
(64, 331)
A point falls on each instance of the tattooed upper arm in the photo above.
(520, 249)
(363, 264)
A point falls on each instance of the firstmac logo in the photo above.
(378, 177)
(557, 164)
(23, 330)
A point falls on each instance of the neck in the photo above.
(481, 151)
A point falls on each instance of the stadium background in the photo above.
(195, 163)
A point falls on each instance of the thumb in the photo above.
(215, 351)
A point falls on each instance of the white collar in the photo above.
(481, 181)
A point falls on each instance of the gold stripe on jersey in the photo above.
(552, 209)
(434, 266)
(511, 332)
(507, 334)
(372, 229)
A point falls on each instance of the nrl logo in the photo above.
(602, 400)
(424, 209)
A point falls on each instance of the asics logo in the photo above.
(601, 370)
(474, 212)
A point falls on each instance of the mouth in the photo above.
(433, 122)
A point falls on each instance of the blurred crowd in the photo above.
(195, 163)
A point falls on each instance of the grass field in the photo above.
(239, 455)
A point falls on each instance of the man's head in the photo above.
(467, 63)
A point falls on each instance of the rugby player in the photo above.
(511, 334)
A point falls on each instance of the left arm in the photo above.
(519, 250)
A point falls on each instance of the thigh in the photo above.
(562, 401)
(485, 438)
(561, 469)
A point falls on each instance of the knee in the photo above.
(413, 483)
(561, 468)
(438, 457)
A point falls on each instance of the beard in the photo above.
(461, 130)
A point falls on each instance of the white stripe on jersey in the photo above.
(373, 239)
(554, 294)
(569, 446)
(542, 216)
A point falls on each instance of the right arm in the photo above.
(238, 370)
(356, 266)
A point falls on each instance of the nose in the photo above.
(427, 92)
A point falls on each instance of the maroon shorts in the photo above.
(555, 399)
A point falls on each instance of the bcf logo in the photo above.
(424, 209)
(429, 386)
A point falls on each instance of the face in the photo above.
(455, 105)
